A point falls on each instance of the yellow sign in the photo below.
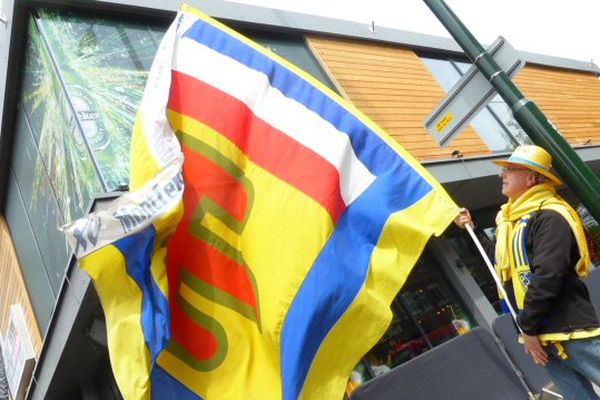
(446, 119)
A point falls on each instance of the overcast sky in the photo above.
(563, 28)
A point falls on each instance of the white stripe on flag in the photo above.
(160, 138)
(285, 114)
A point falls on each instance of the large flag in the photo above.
(265, 270)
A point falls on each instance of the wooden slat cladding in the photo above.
(13, 288)
(392, 86)
(570, 99)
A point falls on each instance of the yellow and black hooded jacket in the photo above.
(557, 300)
(544, 250)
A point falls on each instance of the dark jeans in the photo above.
(574, 375)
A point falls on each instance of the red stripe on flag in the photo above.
(205, 179)
(266, 146)
(196, 339)
(209, 265)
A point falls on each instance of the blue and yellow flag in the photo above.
(266, 269)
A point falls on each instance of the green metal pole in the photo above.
(575, 173)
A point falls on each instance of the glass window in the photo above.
(494, 123)
(101, 67)
(426, 313)
(443, 70)
(293, 49)
(359, 375)
(592, 233)
(494, 135)
(82, 82)
(471, 259)
(60, 150)
(462, 66)
(43, 213)
(502, 112)
(36, 279)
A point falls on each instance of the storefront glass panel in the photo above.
(102, 67)
(35, 276)
(592, 233)
(82, 82)
(63, 155)
(494, 134)
(471, 259)
(293, 49)
(426, 313)
(502, 111)
(43, 213)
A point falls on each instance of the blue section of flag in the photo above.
(137, 250)
(164, 386)
(372, 151)
(338, 275)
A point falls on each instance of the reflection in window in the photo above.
(358, 376)
(502, 112)
(495, 135)
(471, 259)
(294, 49)
(82, 82)
(592, 233)
(445, 73)
(102, 66)
(42, 208)
(60, 144)
(494, 123)
(426, 313)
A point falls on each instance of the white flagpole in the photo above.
(494, 274)
(512, 310)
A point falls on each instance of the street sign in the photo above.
(470, 94)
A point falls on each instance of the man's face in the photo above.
(516, 180)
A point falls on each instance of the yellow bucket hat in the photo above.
(532, 157)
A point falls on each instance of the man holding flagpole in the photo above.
(541, 254)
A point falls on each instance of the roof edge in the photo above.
(281, 19)
(355, 30)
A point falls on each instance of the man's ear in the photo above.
(531, 179)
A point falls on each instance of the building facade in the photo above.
(72, 74)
